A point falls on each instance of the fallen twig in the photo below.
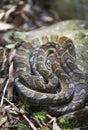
(22, 112)
(4, 90)
(38, 122)
(4, 60)
(30, 123)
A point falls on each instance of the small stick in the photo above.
(22, 112)
(37, 121)
(1, 104)
(30, 123)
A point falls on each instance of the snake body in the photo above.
(46, 74)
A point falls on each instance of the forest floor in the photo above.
(15, 115)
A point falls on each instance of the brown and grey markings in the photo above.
(46, 74)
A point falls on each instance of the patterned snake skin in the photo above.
(46, 74)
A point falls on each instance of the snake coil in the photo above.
(46, 74)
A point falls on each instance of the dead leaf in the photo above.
(3, 120)
(2, 13)
(55, 125)
(5, 26)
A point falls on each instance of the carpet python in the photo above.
(46, 74)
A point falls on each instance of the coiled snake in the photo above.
(46, 74)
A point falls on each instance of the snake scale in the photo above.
(46, 74)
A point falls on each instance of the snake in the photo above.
(46, 74)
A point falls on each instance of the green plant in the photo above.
(40, 115)
(21, 126)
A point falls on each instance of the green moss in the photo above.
(16, 35)
(20, 36)
(64, 124)
(9, 33)
(40, 115)
(25, 106)
(21, 126)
